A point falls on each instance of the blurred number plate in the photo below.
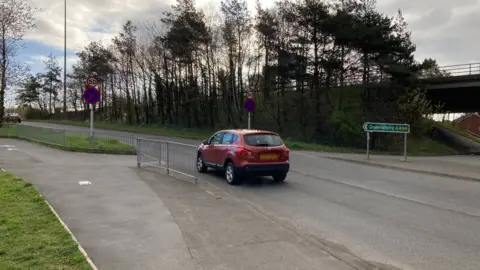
(268, 156)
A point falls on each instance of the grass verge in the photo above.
(65, 141)
(416, 146)
(31, 237)
(460, 131)
(83, 142)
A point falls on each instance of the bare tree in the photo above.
(16, 17)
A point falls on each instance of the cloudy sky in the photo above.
(444, 30)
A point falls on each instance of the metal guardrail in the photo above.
(473, 133)
(170, 156)
(445, 71)
(461, 69)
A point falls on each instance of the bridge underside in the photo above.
(456, 99)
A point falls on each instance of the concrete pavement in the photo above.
(224, 232)
(140, 219)
(118, 219)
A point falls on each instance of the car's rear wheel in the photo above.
(279, 177)
(201, 164)
(231, 176)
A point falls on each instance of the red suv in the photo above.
(245, 152)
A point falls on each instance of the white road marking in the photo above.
(12, 149)
(7, 146)
(84, 183)
(209, 192)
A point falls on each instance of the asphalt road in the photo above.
(400, 219)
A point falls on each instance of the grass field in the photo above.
(416, 146)
(31, 237)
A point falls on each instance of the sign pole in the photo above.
(405, 148)
(91, 122)
(249, 105)
(91, 96)
(368, 145)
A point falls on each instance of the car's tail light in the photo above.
(243, 153)
(285, 155)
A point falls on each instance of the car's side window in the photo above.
(227, 138)
(217, 138)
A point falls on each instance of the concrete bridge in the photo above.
(458, 88)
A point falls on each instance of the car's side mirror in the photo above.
(205, 142)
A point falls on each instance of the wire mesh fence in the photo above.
(45, 135)
(8, 130)
(111, 135)
(76, 140)
(170, 156)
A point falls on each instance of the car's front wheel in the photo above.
(279, 177)
(201, 164)
(231, 176)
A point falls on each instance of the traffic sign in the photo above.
(92, 82)
(386, 127)
(91, 95)
(249, 105)
(249, 94)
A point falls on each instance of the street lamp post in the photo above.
(65, 67)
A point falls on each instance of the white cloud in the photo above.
(440, 28)
(37, 62)
(39, 58)
(84, 17)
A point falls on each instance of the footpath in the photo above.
(130, 218)
(460, 167)
(119, 221)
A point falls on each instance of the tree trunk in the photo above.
(3, 75)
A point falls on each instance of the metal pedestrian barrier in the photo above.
(170, 156)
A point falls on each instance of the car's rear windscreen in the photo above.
(263, 140)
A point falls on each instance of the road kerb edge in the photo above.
(82, 250)
(372, 164)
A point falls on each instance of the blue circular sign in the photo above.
(249, 105)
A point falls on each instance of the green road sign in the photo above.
(386, 127)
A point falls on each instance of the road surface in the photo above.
(128, 218)
(392, 218)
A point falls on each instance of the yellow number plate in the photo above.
(268, 156)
